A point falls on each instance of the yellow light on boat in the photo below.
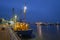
(26, 25)
(21, 25)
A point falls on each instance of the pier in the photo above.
(7, 33)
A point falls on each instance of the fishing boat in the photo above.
(22, 29)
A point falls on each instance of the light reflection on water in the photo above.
(51, 34)
(46, 33)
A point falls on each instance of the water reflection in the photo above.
(51, 33)
(57, 27)
(39, 32)
(46, 33)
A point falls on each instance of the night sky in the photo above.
(37, 10)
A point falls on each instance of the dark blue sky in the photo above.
(37, 10)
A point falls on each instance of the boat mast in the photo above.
(14, 18)
(25, 8)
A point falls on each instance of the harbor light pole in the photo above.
(25, 8)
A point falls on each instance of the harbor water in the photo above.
(50, 32)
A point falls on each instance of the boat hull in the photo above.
(25, 33)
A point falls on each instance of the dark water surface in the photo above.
(47, 33)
